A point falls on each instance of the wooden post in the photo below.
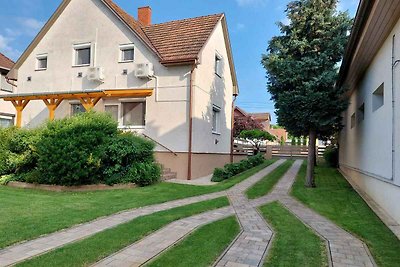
(19, 107)
(89, 102)
(52, 104)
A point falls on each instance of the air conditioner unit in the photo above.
(144, 70)
(96, 74)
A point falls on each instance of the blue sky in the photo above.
(251, 24)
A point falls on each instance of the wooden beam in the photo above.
(52, 104)
(19, 107)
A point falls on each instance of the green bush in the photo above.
(121, 152)
(331, 156)
(71, 149)
(144, 174)
(233, 169)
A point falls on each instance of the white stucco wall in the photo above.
(167, 109)
(5, 107)
(210, 90)
(366, 149)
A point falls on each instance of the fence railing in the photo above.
(294, 151)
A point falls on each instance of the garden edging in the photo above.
(60, 188)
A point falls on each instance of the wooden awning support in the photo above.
(53, 100)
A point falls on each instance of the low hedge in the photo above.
(81, 150)
(233, 169)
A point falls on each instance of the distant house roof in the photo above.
(5, 62)
(261, 116)
(241, 111)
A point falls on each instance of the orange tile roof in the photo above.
(5, 62)
(174, 41)
(261, 116)
(182, 40)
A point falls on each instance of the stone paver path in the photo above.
(248, 250)
(154, 244)
(29, 249)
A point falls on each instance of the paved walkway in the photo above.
(248, 250)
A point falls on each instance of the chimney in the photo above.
(144, 15)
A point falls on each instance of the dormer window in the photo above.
(41, 62)
(127, 53)
(82, 54)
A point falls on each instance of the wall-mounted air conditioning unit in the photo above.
(96, 74)
(144, 70)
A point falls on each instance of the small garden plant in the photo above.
(81, 150)
(233, 169)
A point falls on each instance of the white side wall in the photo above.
(366, 149)
(91, 21)
(5, 107)
(210, 90)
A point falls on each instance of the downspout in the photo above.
(233, 125)
(191, 88)
(11, 83)
(394, 65)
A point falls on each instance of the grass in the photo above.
(294, 244)
(27, 214)
(201, 248)
(264, 186)
(97, 247)
(335, 199)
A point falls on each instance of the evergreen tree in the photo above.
(302, 68)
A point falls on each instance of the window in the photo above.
(133, 114)
(353, 120)
(6, 121)
(361, 113)
(41, 63)
(127, 53)
(218, 65)
(378, 97)
(215, 119)
(113, 111)
(82, 54)
(76, 109)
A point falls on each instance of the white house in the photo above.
(370, 140)
(7, 111)
(173, 82)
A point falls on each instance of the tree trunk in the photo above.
(310, 182)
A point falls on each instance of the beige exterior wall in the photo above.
(366, 149)
(167, 110)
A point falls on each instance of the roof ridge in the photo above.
(185, 19)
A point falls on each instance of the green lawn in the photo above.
(97, 247)
(264, 186)
(294, 244)
(202, 247)
(27, 214)
(335, 199)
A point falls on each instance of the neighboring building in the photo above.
(263, 118)
(7, 111)
(172, 82)
(370, 140)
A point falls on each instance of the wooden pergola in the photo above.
(88, 99)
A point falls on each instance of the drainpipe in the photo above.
(192, 80)
(232, 125)
(394, 65)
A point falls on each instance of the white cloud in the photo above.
(30, 26)
(350, 5)
(250, 2)
(7, 49)
(285, 21)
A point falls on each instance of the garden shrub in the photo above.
(331, 156)
(144, 174)
(121, 152)
(71, 149)
(233, 169)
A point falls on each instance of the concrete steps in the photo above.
(168, 174)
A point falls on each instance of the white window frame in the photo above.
(217, 111)
(75, 49)
(8, 117)
(40, 57)
(119, 103)
(124, 47)
(71, 104)
(218, 64)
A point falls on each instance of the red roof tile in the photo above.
(5, 62)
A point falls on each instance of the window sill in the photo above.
(79, 66)
(127, 61)
(41, 69)
(6, 90)
(216, 133)
(131, 127)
